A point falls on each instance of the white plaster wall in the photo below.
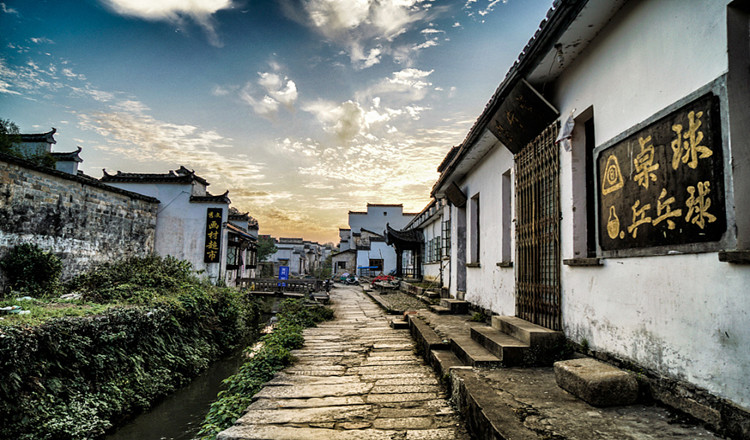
(682, 315)
(375, 219)
(489, 286)
(181, 225)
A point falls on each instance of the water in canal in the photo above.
(179, 415)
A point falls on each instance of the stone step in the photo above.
(425, 336)
(398, 324)
(456, 306)
(472, 353)
(440, 310)
(442, 361)
(597, 383)
(432, 295)
(525, 331)
(507, 348)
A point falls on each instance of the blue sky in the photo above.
(302, 109)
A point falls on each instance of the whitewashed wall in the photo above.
(181, 225)
(489, 286)
(682, 315)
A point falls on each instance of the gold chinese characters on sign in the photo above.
(663, 185)
(212, 250)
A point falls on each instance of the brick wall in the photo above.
(81, 220)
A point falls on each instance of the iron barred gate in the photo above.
(538, 231)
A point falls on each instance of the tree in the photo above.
(9, 135)
(266, 248)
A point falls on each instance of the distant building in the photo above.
(39, 144)
(303, 257)
(364, 241)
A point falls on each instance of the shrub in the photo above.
(73, 378)
(29, 267)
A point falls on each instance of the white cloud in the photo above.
(41, 40)
(470, 4)
(7, 10)
(364, 28)
(345, 120)
(175, 11)
(406, 85)
(275, 90)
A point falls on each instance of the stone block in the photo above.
(595, 382)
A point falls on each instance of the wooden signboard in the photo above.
(521, 117)
(212, 252)
(664, 185)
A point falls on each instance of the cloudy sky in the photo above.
(302, 109)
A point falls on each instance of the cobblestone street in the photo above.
(355, 378)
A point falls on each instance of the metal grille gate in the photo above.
(538, 231)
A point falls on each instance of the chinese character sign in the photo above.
(283, 272)
(212, 251)
(664, 185)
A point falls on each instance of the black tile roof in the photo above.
(40, 137)
(210, 198)
(182, 175)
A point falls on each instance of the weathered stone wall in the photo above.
(81, 220)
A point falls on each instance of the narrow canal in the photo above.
(179, 415)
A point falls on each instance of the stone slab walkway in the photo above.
(355, 378)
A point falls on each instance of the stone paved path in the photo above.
(355, 378)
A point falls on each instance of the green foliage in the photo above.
(272, 356)
(266, 248)
(8, 137)
(478, 317)
(28, 267)
(584, 346)
(73, 377)
(136, 280)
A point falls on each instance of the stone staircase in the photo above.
(448, 340)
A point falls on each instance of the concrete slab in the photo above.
(595, 382)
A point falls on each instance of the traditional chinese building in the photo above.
(242, 246)
(603, 191)
(191, 223)
(366, 236)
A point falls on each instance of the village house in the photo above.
(603, 191)
(191, 224)
(363, 249)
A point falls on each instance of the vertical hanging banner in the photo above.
(212, 252)
(664, 185)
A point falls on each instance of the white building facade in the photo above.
(183, 219)
(366, 235)
(610, 171)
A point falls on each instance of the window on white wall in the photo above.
(506, 214)
(475, 230)
(584, 213)
(447, 238)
